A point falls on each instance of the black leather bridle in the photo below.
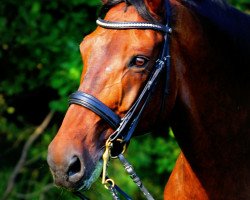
(125, 127)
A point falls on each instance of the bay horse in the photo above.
(207, 101)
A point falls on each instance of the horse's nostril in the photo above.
(74, 166)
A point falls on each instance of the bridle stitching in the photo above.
(132, 25)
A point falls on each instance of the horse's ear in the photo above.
(155, 7)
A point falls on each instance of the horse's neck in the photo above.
(227, 18)
(211, 115)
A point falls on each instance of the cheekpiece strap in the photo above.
(132, 25)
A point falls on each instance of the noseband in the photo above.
(125, 127)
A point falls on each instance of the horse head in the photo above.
(117, 65)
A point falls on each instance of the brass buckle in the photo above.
(107, 155)
(105, 158)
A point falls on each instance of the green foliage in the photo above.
(42, 39)
(241, 4)
(40, 66)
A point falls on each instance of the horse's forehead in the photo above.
(108, 50)
(105, 41)
(133, 39)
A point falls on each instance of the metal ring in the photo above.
(110, 182)
(123, 150)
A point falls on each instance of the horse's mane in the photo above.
(138, 4)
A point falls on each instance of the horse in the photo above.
(203, 96)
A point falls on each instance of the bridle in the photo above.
(125, 127)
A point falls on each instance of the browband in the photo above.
(133, 25)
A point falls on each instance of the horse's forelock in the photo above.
(138, 4)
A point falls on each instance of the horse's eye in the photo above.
(139, 61)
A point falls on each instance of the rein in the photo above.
(125, 127)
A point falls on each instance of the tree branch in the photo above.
(38, 131)
(40, 193)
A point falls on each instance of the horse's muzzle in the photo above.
(67, 171)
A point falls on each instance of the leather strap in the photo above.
(133, 25)
(130, 120)
(95, 105)
(130, 170)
